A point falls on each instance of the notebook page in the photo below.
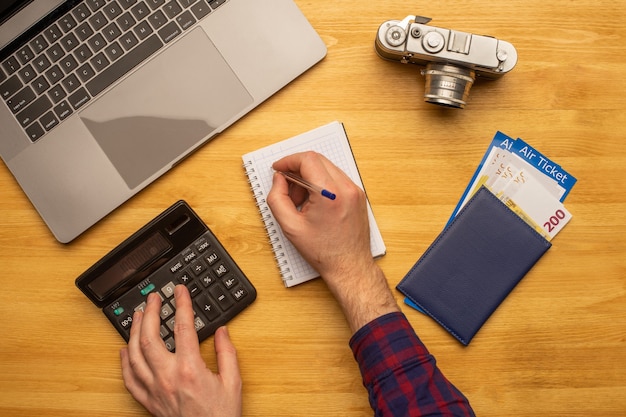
(329, 140)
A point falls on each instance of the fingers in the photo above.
(312, 166)
(133, 384)
(150, 341)
(227, 363)
(185, 334)
(279, 200)
(135, 370)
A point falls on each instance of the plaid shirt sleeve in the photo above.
(400, 375)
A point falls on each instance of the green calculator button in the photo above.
(147, 290)
(118, 311)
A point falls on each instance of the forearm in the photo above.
(401, 376)
(364, 299)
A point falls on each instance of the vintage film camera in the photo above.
(453, 59)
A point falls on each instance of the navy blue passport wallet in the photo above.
(473, 265)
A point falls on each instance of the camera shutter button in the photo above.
(433, 42)
(395, 36)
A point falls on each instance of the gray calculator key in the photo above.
(168, 290)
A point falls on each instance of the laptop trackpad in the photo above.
(166, 107)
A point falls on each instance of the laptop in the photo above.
(101, 97)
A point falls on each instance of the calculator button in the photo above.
(230, 281)
(126, 321)
(212, 258)
(168, 289)
(197, 267)
(207, 306)
(202, 244)
(184, 278)
(198, 323)
(141, 307)
(118, 311)
(193, 289)
(207, 280)
(148, 289)
(163, 332)
(189, 255)
(221, 270)
(239, 293)
(176, 266)
(166, 311)
(222, 297)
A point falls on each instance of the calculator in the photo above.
(174, 248)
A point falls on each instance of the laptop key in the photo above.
(172, 9)
(123, 65)
(84, 31)
(98, 21)
(85, 72)
(79, 98)
(54, 74)
(25, 54)
(113, 51)
(127, 3)
(11, 65)
(157, 19)
(40, 85)
(99, 62)
(200, 9)
(142, 30)
(140, 10)
(39, 44)
(49, 120)
(27, 73)
(169, 32)
(70, 83)
(186, 20)
(63, 110)
(67, 23)
(55, 52)
(10, 87)
(95, 4)
(112, 10)
(155, 4)
(81, 12)
(21, 99)
(216, 3)
(53, 33)
(57, 93)
(35, 131)
(34, 111)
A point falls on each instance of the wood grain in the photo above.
(555, 347)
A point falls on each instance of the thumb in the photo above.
(227, 363)
(279, 201)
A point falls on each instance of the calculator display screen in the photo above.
(129, 263)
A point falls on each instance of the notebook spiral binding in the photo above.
(268, 221)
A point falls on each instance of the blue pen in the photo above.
(305, 184)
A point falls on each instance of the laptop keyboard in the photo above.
(85, 51)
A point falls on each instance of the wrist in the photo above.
(363, 294)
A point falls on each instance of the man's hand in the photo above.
(179, 384)
(332, 235)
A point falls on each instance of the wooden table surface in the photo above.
(555, 347)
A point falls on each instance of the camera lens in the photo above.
(447, 85)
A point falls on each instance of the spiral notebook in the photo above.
(329, 140)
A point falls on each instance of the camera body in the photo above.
(452, 58)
